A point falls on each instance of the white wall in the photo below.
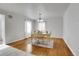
(55, 26)
(71, 28)
(14, 27)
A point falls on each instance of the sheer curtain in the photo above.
(28, 27)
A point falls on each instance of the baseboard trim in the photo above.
(69, 47)
(17, 40)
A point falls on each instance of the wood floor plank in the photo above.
(59, 48)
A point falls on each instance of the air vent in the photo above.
(10, 16)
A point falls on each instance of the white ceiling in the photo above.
(32, 9)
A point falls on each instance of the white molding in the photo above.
(70, 48)
(17, 40)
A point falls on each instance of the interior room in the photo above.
(39, 29)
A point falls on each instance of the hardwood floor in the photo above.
(19, 45)
(59, 48)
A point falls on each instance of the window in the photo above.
(28, 27)
(41, 26)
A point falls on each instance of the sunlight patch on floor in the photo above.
(3, 46)
(29, 48)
